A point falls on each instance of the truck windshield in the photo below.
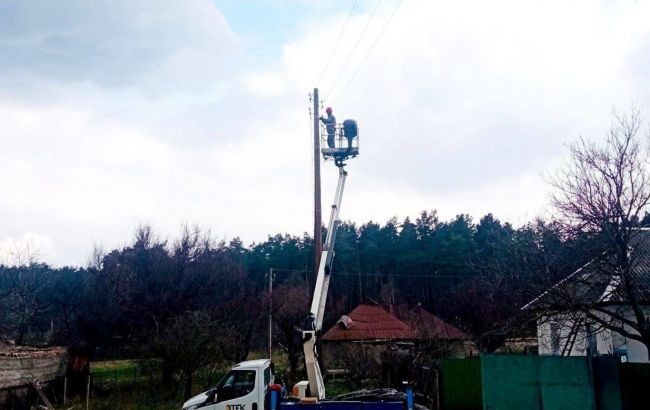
(237, 383)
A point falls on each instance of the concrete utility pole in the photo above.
(270, 312)
(318, 241)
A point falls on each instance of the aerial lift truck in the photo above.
(250, 385)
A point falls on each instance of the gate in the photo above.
(461, 384)
(536, 383)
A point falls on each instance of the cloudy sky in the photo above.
(118, 113)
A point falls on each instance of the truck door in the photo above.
(237, 391)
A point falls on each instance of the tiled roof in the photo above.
(596, 283)
(427, 324)
(370, 321)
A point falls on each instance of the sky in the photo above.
(119, 113)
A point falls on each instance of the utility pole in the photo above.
(318, 241)
(270, 274)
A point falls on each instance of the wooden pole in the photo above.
(318, 237)
(88, 393)
(65, 390)
(271, 314)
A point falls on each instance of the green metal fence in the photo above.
(507, 382)
(536, 382)
(510, 382)
(461, 384)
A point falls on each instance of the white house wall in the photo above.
(545, 337)
(636, 351)
(606, 341)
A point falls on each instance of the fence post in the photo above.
(88, 392)
(65, 389)
(436, 386)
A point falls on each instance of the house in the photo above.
(362, 342)
(426, 324)
(371, 332)
(586, 312)
(369, 323)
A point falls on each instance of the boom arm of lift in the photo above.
(317, 310)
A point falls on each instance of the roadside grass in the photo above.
(119, 374)
(137, 384)
(111, 365)
(115, 372)
(336, 387)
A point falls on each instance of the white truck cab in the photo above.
(245, 387)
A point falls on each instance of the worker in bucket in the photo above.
(330, 125)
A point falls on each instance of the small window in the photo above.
(267, 378)
(237, 383)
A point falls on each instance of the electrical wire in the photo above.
(406, 275)
(368, 53)
(276, 270)
(338, 40)
(385, 275)
(356, 45)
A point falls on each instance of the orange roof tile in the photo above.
(370, 322)
(428, 324)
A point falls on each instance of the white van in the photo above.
(245, 387)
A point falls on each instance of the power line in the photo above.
(275, 270)
(368, 53)
(347, 60)
(385, 275)
(329, 60)
(405, 275)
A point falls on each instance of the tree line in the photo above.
(133, 299)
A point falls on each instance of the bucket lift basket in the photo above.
(343, 143)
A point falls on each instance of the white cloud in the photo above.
(113, 114)
(156, 46)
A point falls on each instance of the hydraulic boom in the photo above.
(317, 310)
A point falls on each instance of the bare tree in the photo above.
(193, 341)
(289, 307)
(22, 253)
(604, 190)
(25, 302)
